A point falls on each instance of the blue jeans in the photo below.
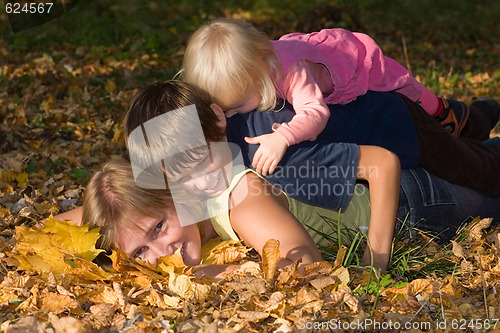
(432, 204)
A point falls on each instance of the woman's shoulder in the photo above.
(252, 188)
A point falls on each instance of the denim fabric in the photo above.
(432, 204)
(466, 161)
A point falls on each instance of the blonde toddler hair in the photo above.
(229, 59)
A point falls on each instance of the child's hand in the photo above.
(271, 150)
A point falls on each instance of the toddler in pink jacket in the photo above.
(243, 70)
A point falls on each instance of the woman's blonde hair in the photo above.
(229, 59)
(112, 197)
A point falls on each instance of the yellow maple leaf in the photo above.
(22, 179)
(77, 239)
(174, 260)
(56, 248)
(109, 86)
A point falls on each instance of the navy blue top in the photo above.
(323, 172)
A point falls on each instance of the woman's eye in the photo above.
(159, 228)
(139, 252)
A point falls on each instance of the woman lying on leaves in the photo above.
(137, 213)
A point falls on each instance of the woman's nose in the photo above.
(157, 250)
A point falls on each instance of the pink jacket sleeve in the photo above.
(300, 88)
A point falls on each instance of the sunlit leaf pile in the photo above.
(49, 279)
(62, 103)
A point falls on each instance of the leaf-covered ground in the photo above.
(64, 89)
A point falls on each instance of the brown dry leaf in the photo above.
(270, 258)
(458, 250)
(289, 275)
(408, 305)
(57, 303)
(103, 314)
(352, 302)
(419, 287)
(186, 289)
(27, 324)
(249, 268)
(304, 296)
(486, 260)
(154, 299)
(67, 324)
(395, 294)
(342, 274)
(319, 267)
(253, 316)
(476, 230)
(247, 287)
(276, 303)
(105, 294)
(339, 260)
(336, 297)
(219, 252)
(322, 282)
(451, 288)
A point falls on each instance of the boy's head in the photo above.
(162, 97)
(230, 59)
(143, 222)
(176, 139)
(167, 127)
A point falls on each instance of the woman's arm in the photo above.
(263, 214)
(382, 170)
(74, 215)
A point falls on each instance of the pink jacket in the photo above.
(356, 64)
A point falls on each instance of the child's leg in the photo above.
(430, 102)
(451, 114)
(465, 162)
(480, 124)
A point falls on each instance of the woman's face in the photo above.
(152, 237)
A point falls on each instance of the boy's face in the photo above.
(210, 175)
(152, 237)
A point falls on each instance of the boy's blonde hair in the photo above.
(112, 197)
(229, 59)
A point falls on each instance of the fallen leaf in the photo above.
(458, 250)
(67, 324)
(219, 252)
(270, 258)
(476, 231)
